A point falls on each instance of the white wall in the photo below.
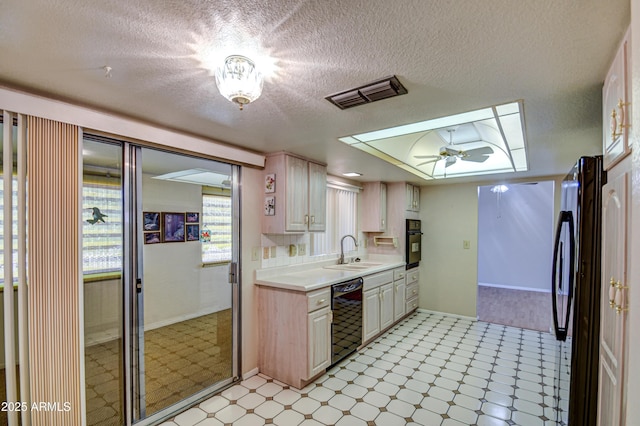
(176, 286)
(449, 273)
(515, 236)
(251, 208)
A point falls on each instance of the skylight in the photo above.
(485, 141)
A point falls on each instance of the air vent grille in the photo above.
(387, 87)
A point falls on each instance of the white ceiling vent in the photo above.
(387, 87)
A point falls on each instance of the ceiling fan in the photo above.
(450, 153)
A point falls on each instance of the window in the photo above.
(342, 207)
(14, 230)
(102, 239)
(216, 219)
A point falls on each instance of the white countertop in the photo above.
(314, 276)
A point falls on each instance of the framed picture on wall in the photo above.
(152, 238)
(193, 217)
(270, 183)
(270, 206)
(151, 221)
(173, 227)
(193, 232)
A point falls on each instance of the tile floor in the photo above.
(430, 370)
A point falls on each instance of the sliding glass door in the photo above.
(179, 240)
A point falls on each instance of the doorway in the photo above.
(160, 234)
(515, 247)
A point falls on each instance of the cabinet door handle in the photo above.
(321, 301)
(415, 291)
(306, 219)
(313, 219)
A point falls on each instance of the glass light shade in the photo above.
(239, 80)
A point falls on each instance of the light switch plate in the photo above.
(265, 252)
(255, 254)
(466, 244)
(274, 251)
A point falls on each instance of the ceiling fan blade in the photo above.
(450, 160)
(426, 156)
(430, 161)
(476, 158)
(485, 150)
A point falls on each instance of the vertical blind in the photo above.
(341, 220)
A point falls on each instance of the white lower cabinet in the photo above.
(382, 295)
(319, 323)
(412, 291)
(399, 297)
(295, 334)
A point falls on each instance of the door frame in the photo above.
(133, 335)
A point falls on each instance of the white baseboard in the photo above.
(510, 287)
(447, 314)
(250, 373)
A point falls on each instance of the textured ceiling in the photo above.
(452, 56)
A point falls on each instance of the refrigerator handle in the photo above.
(572, 264)
(565, 216)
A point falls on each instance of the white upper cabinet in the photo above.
(317, 197)
(374, 207)
(413, 198)
(295, 195)
(616, 107)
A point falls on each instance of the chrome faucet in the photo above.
(341, 260)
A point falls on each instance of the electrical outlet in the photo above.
(265, 252)
(274, 251)
(302, 249)
(466, 244)
(255, 254)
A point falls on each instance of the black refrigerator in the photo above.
(575, 291)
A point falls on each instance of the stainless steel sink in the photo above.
(356, 266)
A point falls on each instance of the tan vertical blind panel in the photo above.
(53, 267)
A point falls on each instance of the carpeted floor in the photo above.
(517, 308)
(180, 360)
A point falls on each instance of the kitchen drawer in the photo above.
(399, 274)
(318, 299)
(412, 276)
(412, 290)
(376, 280)
(412, 305)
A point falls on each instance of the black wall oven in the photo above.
(414, 243)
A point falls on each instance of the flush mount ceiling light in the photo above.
(239, 80)
(499, 188)
(487, 141)
(352, 174)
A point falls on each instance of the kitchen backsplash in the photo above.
(285, 250)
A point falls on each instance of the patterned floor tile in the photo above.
(430, 369)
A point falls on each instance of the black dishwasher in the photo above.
(346, 327)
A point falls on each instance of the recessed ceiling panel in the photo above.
(485, 141)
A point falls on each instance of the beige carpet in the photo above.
(180, 360)
(516, 308)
